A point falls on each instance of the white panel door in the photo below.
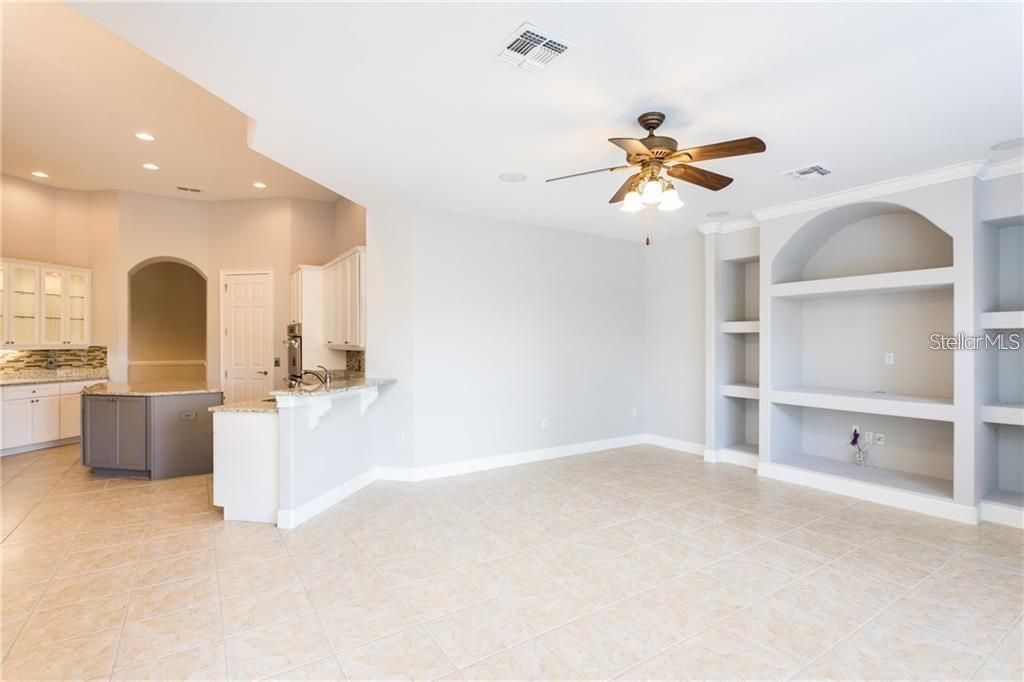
(248, 334)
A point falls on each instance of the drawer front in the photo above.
(31, 391)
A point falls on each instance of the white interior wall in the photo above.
(673, 344)
(517, 324)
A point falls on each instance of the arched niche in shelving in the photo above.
(862, 239)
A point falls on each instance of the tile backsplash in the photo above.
(93, 357)
(355, 360)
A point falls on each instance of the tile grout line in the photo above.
(992, 653)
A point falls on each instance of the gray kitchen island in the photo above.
(153, 429)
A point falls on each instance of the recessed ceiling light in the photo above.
(1015, 143)
(40, 174)
(512, 177)
(150, 166)
(717, 214)
(145, 137)
(259, 185)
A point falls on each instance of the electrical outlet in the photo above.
(879, 439)
(400, 438)
(890, 358)
(869, 438)
(543, 422)
(633, 413)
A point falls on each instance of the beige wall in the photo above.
(167, 313)
(44, 224)
(114, 232)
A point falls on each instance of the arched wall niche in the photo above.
(862, 239)
(166, 320)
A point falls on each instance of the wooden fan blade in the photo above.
(719, 150)
(630, 146)
(621, 194)
(699, 176)
(590, 172)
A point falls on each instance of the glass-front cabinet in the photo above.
(51, 330)
(21, 291)
(44, 305)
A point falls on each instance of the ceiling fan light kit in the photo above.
(655, 156)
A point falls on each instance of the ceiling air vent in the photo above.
(533, 48)
(808, 173)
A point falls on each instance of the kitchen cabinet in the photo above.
(44, 305)
(158, 435)
(344, 301)
(115, 433)
(41, 414)
(31, 415)
(21, 304)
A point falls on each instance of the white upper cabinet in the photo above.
(45, 305)
(344, 301)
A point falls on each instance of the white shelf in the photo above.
(888, 478)
(741, 327)
(882, 283)
(748, 391)
(867, 402)
(1003, 413)
(1007, 319)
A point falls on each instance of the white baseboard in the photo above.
(469, 466)
(892, 497)
(686, 446)
(1004, 514)
(293, 518)
(39, 446)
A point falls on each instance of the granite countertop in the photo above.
(247, 406)
(51, 376)
(150, 388)
(354, 383)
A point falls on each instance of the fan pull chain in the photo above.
(648, 238)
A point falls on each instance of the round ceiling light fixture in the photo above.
(151, 166)
(145, 137)
(40, 174)
(259, 185)
(717, 214)
(1005, 145)
(512, 177)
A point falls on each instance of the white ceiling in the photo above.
(74, 95)
(409, 102)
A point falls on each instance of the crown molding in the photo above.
(969, 169)
(729, 226)
(1000, 169)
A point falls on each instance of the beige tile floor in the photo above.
(632, 563)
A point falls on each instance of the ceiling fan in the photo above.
(656, 155)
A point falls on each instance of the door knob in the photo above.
(263, 372)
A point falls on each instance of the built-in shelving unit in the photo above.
(864, 310)
(1000, 367)
(855, 294)
(734, 349)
